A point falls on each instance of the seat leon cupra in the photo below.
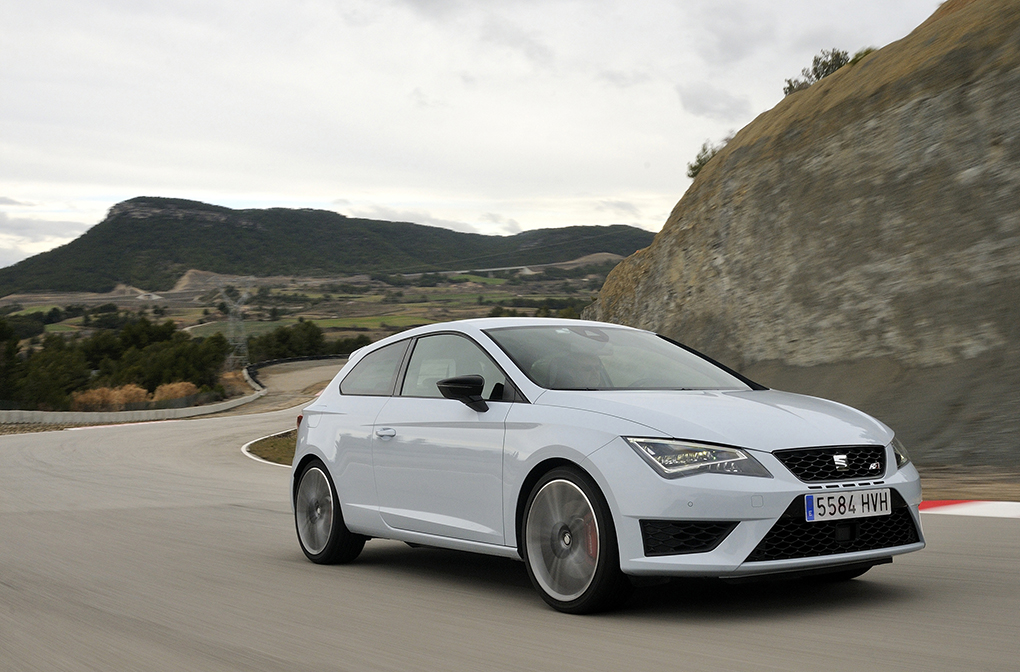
(595, 453)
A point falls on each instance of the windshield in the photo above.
(596, 358)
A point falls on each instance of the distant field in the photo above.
(383, 309)
(36, 309)
(479, 278)
(250, 327)
(60, 328)
(254, 328)
(373, 321)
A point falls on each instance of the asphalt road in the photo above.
(161, 547)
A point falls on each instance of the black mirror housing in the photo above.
(467, 389)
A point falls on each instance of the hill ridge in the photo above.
(151, 242)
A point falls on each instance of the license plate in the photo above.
(842, 505)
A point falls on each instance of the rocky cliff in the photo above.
(861, 241)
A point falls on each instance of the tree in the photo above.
(823, 65)
(9, 363)
(51, 374)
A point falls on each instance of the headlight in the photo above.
(673, 459)
(902, 458)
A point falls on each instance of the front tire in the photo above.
(324, 538)
(569, 544)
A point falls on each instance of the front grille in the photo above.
(834, 463)
(676, 537)
(793, 537)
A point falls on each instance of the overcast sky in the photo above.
(493, 117)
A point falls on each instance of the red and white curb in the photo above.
(962, 507)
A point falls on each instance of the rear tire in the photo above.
(569, 545)
(324, 538)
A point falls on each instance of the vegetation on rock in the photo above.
(823, 65)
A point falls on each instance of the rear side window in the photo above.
(376, 373)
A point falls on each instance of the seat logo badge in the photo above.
(840, 462)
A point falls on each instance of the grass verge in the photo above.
(279, 448)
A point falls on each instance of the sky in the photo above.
(489, 117)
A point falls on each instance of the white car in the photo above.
(594, 453)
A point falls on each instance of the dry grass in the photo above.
(108, 398)
(279, 448)
(174, 391)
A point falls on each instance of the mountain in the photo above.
(861, 241)
(150, 243)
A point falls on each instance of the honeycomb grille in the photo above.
(676, 537)
(835, 463)
(793, 537)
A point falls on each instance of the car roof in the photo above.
(476, 325)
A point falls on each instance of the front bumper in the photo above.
(750, 508)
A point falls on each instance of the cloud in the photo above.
(544, 108)
(422, 100)
(413, 216)
(21, 237)
(511, 226)
(732, 31)
(624, 80)
(623, 207)
(513, 37)
(704, 100)
(436, 10)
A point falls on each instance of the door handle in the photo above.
(386, 432)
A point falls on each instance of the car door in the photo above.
(340, 426)
(438, 463)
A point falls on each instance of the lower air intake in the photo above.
(676, 537)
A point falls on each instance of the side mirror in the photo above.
(467, 389)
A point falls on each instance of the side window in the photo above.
(445, 356)
(375, 373)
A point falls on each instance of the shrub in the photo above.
(174, 391)
(860, 55)
(823, 65)
(109, 399)
(129, 394)
(705, 155)
(99, 399)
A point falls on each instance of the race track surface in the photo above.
(161, 547)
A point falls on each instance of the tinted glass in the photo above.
(589, 358)
(445, 356)
(375, 374)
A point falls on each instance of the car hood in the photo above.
(757, 419)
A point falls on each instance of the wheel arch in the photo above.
(536, 473)
(297, 470)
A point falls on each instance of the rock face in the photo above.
(861, 241)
